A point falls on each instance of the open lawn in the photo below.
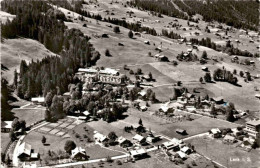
(29, 115)
(228, 155)
(161, 126)
(15, 50)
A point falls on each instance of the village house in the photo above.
(139, 139)
(38, 100)
(143, 108)
(138, 154)
(100, 137)
(186, 150)
(229, 139)
(182, 155)
(24, 151)
(253, 128)
(79, 154)
(170, 145)
(216, 133)
(181, 131)
(6, 126)
(123, 142)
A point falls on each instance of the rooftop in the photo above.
(254, 122)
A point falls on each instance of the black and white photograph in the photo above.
(130, 83)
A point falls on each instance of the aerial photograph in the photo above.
(130, 83)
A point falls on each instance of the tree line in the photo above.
(38, 20)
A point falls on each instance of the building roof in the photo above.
(24, 148)
(176, 141)
(86, 113)
(38, 99)
(137, 152)
(142, 93)
(229, 137)
(164, 108)
(82, 117)
(143, 107)
(169, 144)
(185, 149)
(6, 124)
(138, 137)
(121, 140)
(215, 130)
(254, 122)
(88, 70)
(109, 71)
(77, 150)
(100, 137)
(34, 155)
(181, 154)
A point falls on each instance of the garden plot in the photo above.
(71, 126)
(61, 133)
(64, 125)
(54, 131)
(44, 129)
(54, 124)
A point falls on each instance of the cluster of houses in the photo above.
(247, 137)
(176, 148)
(26, 153)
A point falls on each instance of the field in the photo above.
(228, 155)
(134, 53)
(29, 115)
(15, 50)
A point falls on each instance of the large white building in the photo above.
(107, 75)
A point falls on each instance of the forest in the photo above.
(39, 21)
(239, 14)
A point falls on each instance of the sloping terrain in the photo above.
(15, 50)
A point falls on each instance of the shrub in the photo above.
(116, 29)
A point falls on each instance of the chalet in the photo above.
(38, 100)
(86, 113)
(181, 155)
(229, 139)
(170, 145)
(123, 142)
(166, 109)
(138, 154)
(189, 50)
(190, 108)
(82, 118)
(253, 128)
(79, 154)
(24, 151)
(142, 93)
(100, 137)
(181, 131)
(139, 139)
(6, 126)
(218, 100)
(147, 42)
(204, 68)
(163, 58)
(186, 150)
(143, 108)
(216, 133)
(257, 96)
(235, 131)
(34, 156)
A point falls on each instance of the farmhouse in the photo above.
(186, 150)
(139, 139)
(253, 128)
(170, 145)
(181, 155)
(38, 100)
(78, 154)
(216, 133)
(24, 151)
(138, 154)
(218, 100)
(229, 139)
(143, 108)
(6, 126)
(181, 131)
(100, 137)
(123, 142)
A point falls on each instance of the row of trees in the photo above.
(224, 75)
(170, 34)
